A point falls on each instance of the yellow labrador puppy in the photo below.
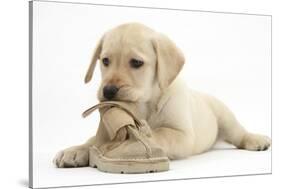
(141, 66)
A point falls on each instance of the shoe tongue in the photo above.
(116, 114)
(114, 119)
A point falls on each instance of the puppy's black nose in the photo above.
(109, 91)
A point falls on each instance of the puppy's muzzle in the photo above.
(109, 91)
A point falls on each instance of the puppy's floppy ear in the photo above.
(169, 60)
(92, 65)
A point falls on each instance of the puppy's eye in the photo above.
(105, 61)
(136, 63)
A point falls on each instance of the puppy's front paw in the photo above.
(72, 157)
(255, 142)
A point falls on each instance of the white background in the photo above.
(15, 114)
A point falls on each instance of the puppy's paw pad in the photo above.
(255, 142)
(72, 157)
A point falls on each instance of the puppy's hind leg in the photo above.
(232, 132)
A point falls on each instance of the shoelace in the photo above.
(133, 129)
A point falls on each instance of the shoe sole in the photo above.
(126, 166)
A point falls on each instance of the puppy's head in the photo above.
(134, 60)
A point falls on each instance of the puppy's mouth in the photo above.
(125, 93)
